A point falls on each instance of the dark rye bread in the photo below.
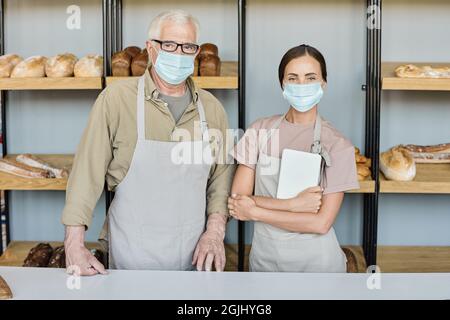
(39, 256)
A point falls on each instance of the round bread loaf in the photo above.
(7, 64)
(39, 256)
(32, 67)
(61, 65)
(121, 64)
(210, 66)
(89, 66)
(398, 164)
(208, 49)
(140, 63)
(132, 51)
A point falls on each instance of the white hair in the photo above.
(178, 17)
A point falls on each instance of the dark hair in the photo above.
(300, 51)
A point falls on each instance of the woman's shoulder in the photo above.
(334, 139)
(265, 123)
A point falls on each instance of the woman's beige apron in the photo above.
(278, 250)
(158, 212)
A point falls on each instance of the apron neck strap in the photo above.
(316, 147)
(203, 123)
(263, 141)
(140, 116)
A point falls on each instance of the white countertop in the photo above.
(47, 283)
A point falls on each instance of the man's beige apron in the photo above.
(158, 212)
(278, 250)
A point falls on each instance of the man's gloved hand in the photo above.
(210, 247)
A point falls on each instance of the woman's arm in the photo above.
(245, 208)
(243, 181)
(307, 201)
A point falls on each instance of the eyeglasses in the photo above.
(172, 46)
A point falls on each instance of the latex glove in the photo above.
(210, 247)
(79, 260)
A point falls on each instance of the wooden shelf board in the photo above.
(430, 178)
(366, 186)
(412, 259)
(12, 182)
(17, 251)
(68, 83)
(391, 82)
(227, 80)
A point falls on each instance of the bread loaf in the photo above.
(5, 290)
(413, 71)
(32, 67)
(61, 65)
(208, 49)
(439, 153)
(35, 162)
(19, 169)
(58, 258)
(139, 64)
(210, 66)
(363, 170)
(132, 51)
(398, 164)
(363, 165)
(121, 64)
(39, 256)
(196, 66)
(89, 66)
(7, 64)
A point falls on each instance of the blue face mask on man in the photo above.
(174, 68)
(303, 97)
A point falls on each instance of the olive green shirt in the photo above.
(109, 140)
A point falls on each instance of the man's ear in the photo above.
(150, 50)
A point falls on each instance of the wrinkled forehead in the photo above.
(178, 31)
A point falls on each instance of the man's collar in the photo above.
(151, 92)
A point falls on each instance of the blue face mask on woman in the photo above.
(174, 68)
(303, 97)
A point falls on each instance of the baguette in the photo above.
(22, 170)
(35, 162)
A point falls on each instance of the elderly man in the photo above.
(166, 214)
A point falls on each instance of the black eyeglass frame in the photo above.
(197, 47)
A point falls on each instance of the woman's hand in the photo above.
(309, 200)
(242, 207)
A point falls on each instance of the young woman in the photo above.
(294, 235)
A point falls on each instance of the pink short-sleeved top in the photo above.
(340, 176)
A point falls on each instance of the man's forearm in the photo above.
(74, 236)
(217, 223)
